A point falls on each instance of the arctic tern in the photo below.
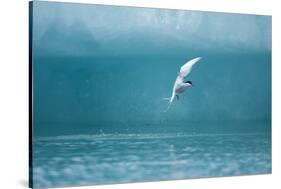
(180, 84)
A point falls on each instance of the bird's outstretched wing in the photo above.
(187, 67)
(184, 71)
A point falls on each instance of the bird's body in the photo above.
(180, 85)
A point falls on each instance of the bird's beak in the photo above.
(192, 85)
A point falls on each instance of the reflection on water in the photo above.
(119, 158)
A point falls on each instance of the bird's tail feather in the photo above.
(172, 98)
(170, 101)
(168, 98)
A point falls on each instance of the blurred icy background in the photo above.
(100, 73)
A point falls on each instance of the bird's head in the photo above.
(189, 82)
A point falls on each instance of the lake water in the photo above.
(120, 158)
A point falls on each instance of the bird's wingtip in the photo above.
(198, 58)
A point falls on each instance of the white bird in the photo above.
(180, 85)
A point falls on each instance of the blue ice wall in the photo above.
(100, 65)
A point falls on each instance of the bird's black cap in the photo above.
(188, 82)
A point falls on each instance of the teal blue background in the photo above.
(100, 72)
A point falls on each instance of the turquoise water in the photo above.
(152, 152)
(100, 74)
(120, 158)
